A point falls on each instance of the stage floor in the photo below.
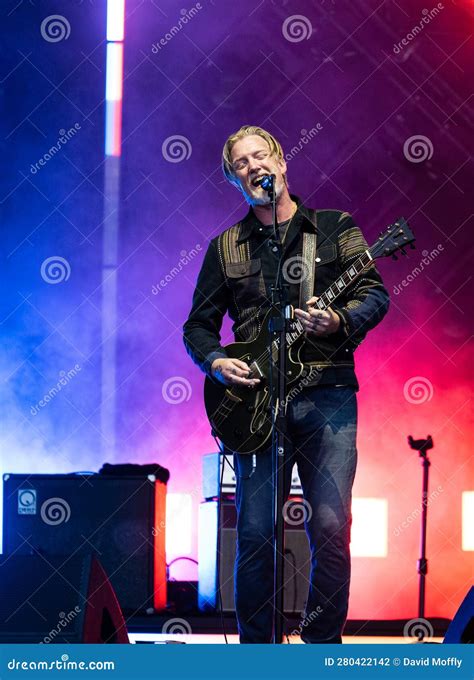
(218, 639)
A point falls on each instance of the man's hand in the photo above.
(233, 372)
(317, 322)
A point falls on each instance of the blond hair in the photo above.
(245, 131)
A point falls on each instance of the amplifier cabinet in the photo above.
(212, 473)
(213, 570)
(119, 519)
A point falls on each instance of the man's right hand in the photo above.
(233, 372)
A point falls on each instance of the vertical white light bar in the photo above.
(113, 99)
(369, 533)
(113, 83)
(114, 77)
(115, 20)
(113, 143)
(179, 515)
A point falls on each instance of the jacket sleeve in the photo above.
(210, 303)
(367, 300)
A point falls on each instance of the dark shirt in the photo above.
(244, 292)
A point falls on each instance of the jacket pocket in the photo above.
(246, 281)
(325, 255)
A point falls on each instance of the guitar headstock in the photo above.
(395, 238)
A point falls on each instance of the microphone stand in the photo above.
(278, 327)
(422, 446)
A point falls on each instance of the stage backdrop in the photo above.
(371, 102)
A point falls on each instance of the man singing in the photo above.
(236, 277)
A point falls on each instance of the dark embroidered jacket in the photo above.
(240, 267)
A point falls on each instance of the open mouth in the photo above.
(256, 181)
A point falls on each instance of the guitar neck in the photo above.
(334, 291)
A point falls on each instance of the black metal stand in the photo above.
(278, 330)
(422, 446)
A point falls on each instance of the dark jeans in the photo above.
(322, 424)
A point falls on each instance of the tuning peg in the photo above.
(404, 252)
(394, 257)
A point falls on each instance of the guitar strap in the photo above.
(308, 268)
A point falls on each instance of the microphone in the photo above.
(266, 182)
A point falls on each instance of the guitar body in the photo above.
(241, 416)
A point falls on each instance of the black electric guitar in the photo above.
(241, 417)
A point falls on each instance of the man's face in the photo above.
(251, 158)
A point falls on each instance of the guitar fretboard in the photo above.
(334, 290)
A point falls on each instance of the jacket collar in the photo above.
(250, 223)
